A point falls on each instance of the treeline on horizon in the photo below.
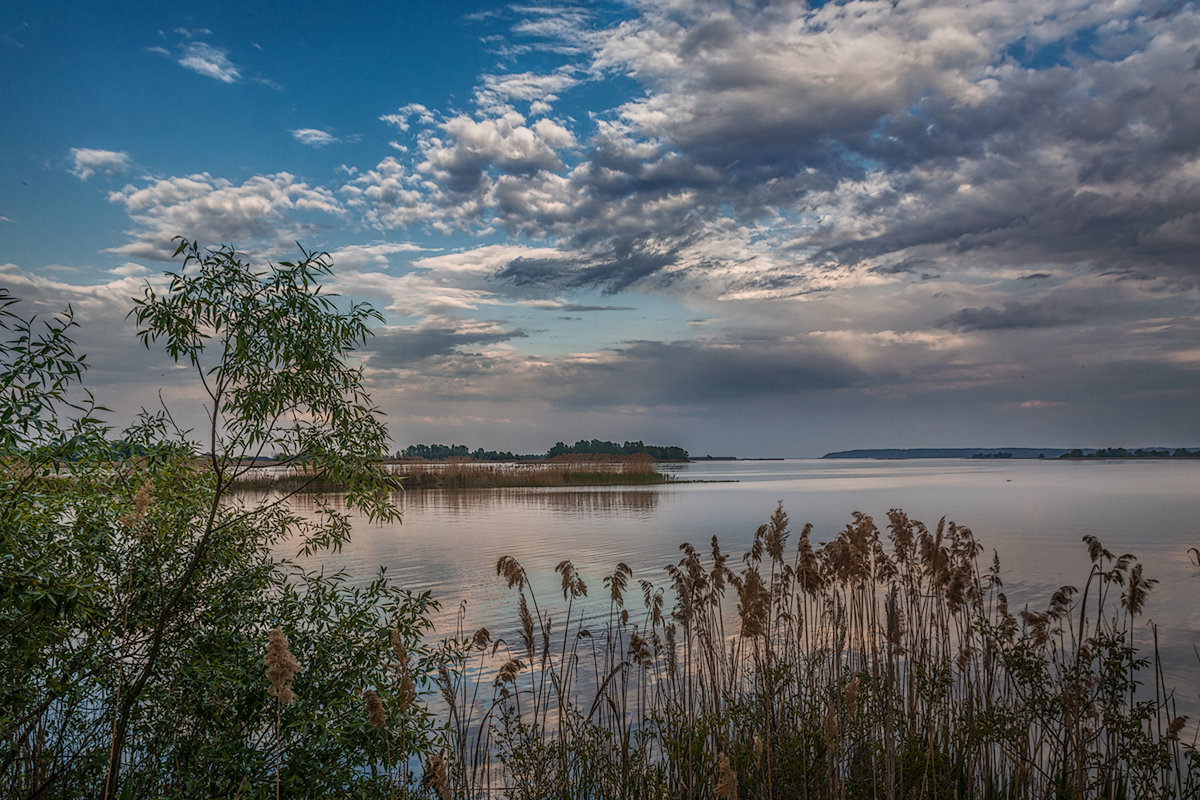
(1017, 452)
(1121, 452)
(440, 452)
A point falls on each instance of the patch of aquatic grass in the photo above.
(452, 474)
(560, 471)
(878, 665)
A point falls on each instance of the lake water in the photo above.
(1033, 513)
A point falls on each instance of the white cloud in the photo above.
(360, 255)
(89, 162)
(130, 270)
(389, 196)
(474, 146)
(498, 91)
(484, 260)
(784, 149)
(213, 62)
(265, 209)
(400, 119)
(314, 137)
(416, 293)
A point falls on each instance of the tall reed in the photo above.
(566, 470)
(880, 664)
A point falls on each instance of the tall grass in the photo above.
(878, 665)
(568, 470)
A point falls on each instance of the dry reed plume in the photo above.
(375, 716)
(875, 665)
(282, 667)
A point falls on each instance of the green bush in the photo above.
(137, 596)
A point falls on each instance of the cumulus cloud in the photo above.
(470, 148)
(896, 141)
(433, 287)
(559, 304)
(89, 162)
(265, 209)
(401, 118)
(497, 91)
(104, 333)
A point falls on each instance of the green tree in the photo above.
(139, 591)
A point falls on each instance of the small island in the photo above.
(593, 447)
(588, 462)
(455, 466)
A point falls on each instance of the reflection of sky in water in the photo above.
(1033, 513)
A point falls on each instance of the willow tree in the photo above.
(143, 587)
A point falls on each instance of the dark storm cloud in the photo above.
(912, 266)
(693, 373)
(1013, 315)
(540, 272)
(402, 347)
(623, 263)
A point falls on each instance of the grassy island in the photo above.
(566, 470)
(558, 471)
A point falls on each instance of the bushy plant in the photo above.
(137, 595)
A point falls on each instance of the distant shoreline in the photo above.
(1023, 453)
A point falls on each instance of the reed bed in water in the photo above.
(570, 470)
(878, 665)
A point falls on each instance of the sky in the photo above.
(761, 229)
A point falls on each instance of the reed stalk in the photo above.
(880, 666)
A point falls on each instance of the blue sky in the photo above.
(751, 228)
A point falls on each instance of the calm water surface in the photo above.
(1033, 513)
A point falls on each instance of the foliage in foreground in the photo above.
(137, 596)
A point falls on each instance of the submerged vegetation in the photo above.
(154, 646)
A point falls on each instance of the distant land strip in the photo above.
(1018, 452)
(442, 452)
